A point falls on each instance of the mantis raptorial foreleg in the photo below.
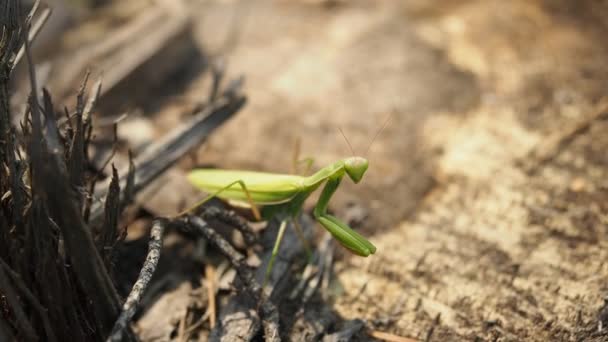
(254, 208)
(340, 230)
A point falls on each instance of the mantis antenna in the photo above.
(348, 142)
(378, 132)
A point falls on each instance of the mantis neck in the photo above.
(335, 170)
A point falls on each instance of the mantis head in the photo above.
(355, 167)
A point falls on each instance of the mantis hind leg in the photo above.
(254, 208)
(275, 251)
(277, 246)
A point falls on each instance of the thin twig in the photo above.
(92, 101)
(33, 33)
(42, 312)
(97, 174)
(13, 9)
(210, 275)
(181, 328)
(328, 262)
(602, 318)
(159, 157)
(235, 319)
(269, 312)
(12, 299)
(315, 272)
(197, 324)
(218, 69)
(312, 269)
(87, 264)
(230, 218)
(324, 250)
(130, 305)
(34, 105)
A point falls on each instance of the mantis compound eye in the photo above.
(355, 168)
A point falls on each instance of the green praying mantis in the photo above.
(285, 194)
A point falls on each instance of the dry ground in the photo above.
(477, 239)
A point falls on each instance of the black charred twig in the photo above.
(10, 18)
(87, 111)
(269, 312)
(34, 31)
(53, 279)
(53, 141)
(93, 182)
(130, 306)
(63, 208)
(328, 265)
(218, 70)
(48, 329)
(11, 27)
(11, 297)
(167, 37)
(232, 219)
(315, 272)
(5, 332)
(159, 157)
(77, 155)
(109, 233)
(128, 193)
(39, 214)
(236, 320)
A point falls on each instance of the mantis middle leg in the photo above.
(275, 251)
(296, 161)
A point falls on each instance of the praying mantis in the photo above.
(285, 194)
